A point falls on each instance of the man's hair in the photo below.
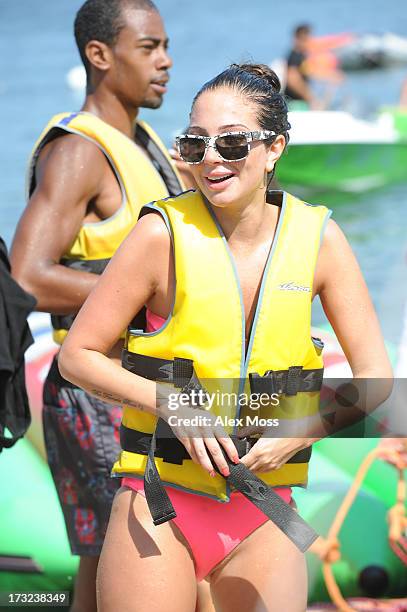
(303, 28)
(103, 20)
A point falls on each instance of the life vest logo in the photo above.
(291, 286)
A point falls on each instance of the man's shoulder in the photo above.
(66, 146)
(295, 58)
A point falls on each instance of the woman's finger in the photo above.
(217, 455)
(227, 444)
(202, 455)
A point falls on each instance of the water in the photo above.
(37, 49)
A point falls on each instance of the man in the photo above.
(89, 175)
(297, 80)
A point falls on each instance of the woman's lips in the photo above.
(218, 183)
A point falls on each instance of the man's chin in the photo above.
(152, 103)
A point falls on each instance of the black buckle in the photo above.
(293, 380)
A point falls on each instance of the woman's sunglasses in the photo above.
(231, 146)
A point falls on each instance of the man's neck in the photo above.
(108, 108)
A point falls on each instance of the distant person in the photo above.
(89, 175)
(297, 79)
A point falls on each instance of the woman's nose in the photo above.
(212, 156)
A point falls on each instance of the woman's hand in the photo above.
(272, 453)
(203, 439)
(394, 451)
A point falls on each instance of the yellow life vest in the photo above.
(142, 179)
(207, 327)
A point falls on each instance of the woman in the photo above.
(227, 277)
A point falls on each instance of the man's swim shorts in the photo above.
(82, 442)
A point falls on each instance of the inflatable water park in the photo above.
(367, 560)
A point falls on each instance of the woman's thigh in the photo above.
(265, 573)
(143, 567)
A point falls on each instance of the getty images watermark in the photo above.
(205, 401)
(344, 407)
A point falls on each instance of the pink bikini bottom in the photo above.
(211, 528)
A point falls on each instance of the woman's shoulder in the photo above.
(333, 237)
(149, 235)
(151, 231)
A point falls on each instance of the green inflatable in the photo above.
(34, 550)
(33, 536)
(365, 553)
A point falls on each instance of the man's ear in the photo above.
(99, 55)
(275, 151)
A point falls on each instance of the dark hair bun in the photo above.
(262, 71)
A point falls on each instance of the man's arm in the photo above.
(69, 177)
(297, 83)
(295, 79)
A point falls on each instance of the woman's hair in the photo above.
(259, 84)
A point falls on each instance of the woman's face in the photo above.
(231, 183)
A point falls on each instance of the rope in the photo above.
(328, 549)
(398, 521)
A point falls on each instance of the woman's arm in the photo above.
(348, 307)
(141, 273)
(130, 281)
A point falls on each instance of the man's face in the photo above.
(139, 71)
(303, 41)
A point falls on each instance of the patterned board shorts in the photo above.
(82, 442)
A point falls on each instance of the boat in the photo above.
(369, 51)
(349, 51)
(397, 117)
(333, 150)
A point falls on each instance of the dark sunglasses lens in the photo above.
(192, 149)
(234, 146)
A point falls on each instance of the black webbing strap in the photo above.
(171, 450)
(159, 504)
(243, 480)
(288, 382)
(272, 505)
(181, 373)
(177, 371)
(160, 161)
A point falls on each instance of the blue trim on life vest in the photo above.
(325, 223)
(68, 119)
